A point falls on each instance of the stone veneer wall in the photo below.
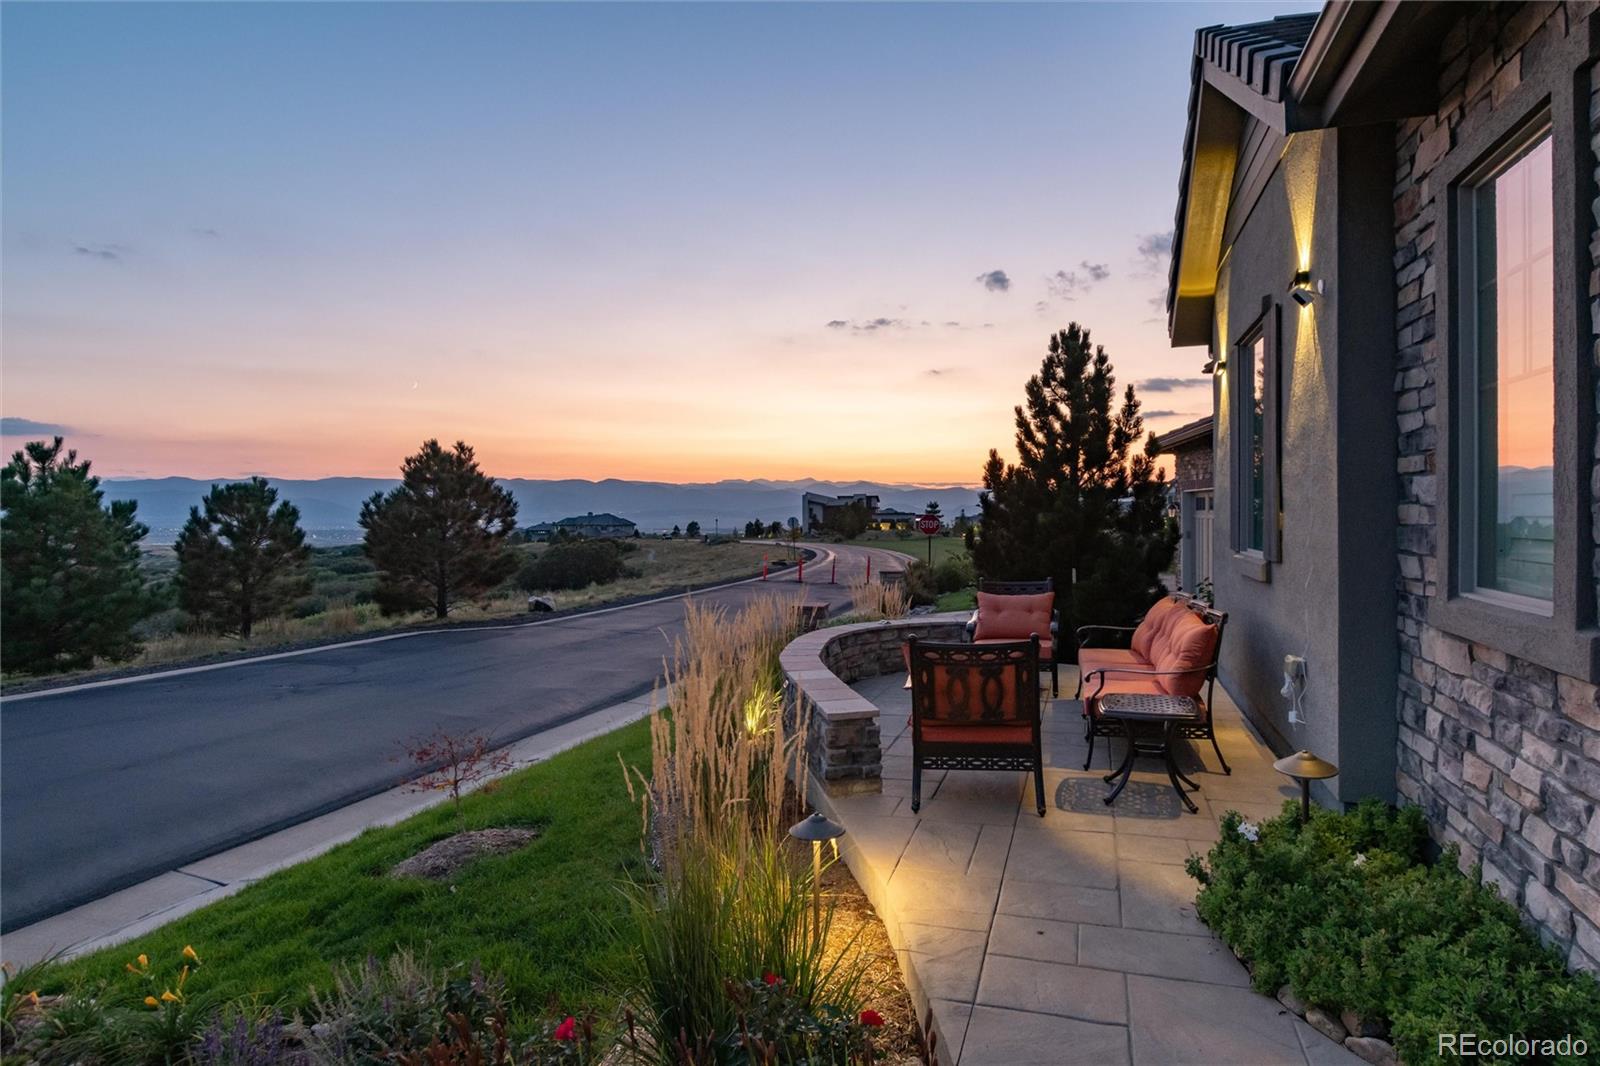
(843, 742)
(1191, 467)
(1502, 754)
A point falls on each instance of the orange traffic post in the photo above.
(763, 567)
(833, 574)
(800, 573)
(869, 568)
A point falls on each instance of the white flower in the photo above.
(1250, 831)
(1360, 859)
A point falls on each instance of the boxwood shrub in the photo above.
(1349, 912)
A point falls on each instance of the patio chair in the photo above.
(975, 707)
(1016, 610)
(1173, 651)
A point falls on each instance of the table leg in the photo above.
(1125, 771)
(1172, 769)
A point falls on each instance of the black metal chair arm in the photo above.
(1121, 670)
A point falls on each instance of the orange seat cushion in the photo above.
(1013, 617)
(1187, 644)
(1156, 619)
(945, 733)
(1091, 659)
(1046, 649)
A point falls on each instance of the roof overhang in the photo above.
(1189, 433)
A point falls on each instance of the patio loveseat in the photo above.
(1172, 652)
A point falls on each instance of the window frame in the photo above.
(1468, 410)
(1562, 638)
(1252, 561)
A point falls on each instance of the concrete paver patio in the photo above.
(1069, 938)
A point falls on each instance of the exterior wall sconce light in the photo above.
(816, 829)
(1305, 768)
(1215, 365)
(1302, 289)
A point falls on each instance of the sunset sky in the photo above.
(666, 242)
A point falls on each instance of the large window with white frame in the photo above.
(1506, 414)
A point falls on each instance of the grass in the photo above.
(542, 916)
(916, 545)
(342, 580)
(960, 600)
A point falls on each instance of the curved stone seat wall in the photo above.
(842, 738)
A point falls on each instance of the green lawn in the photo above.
(540, 916)
(916, 545)
(963, 600)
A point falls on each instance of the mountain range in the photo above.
(329, 506)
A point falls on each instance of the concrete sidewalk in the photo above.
(142, 907)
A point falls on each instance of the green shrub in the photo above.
(575, 564)
(920, 583)
(955, 573)
(1348, 912)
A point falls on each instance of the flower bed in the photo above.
(1346, 920)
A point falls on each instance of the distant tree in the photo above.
(70, 587)
(775, 529)
(676, 532)
(692, 529)
(932, 508)
(1080, 506)
(440, 537)
(848, 521)
(752, 529)
(239, 558)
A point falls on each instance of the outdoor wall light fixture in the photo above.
(1302, 289)
(816, 829)
(1305, 768)
(1215, 365)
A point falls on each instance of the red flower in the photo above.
(871, 1018)
(567, 1030)
(769, 979)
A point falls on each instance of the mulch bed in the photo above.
(900, 1039)
(452, 853)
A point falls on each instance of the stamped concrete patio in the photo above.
(1071, 938)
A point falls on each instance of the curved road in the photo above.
(103, 786)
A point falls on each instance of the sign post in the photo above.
(929, 525)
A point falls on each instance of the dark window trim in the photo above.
(1256, 563)
(1566, 640)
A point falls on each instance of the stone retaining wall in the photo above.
(843, 745)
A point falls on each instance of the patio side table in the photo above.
(1159, 717)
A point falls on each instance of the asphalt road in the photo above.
(104, 786)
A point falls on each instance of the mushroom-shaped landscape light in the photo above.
(816, 829)
(1305, 768)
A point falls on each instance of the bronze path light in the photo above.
(816, 829)
(1305, 768)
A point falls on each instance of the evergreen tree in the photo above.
(848, 521)
(933, 508)
(692, 529)
(1081, 505)
(775, 529)
(676, 532)
(70, 587)
(440, 537)
(240, 559)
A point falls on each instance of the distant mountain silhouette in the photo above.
(329, 506)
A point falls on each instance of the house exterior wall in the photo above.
(1326, 208)
(1501, 751)
(1191, 467)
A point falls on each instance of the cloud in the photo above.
(1170, 384)
(1065, 285)
(870, 325)
(995, 281)
(28, 427)
(1154, 250)
(110, 253)
(837, 323)
(939, 371)
(207, 232)
(1160, 414)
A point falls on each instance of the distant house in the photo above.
(1190, 448)
(604, 524)
(815, 507)
(889, 520)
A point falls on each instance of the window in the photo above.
(1253, 372)
(1506, 484)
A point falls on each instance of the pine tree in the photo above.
(932, 508)
(440, 537)
(70, 587)
(1080, 505)
(240, 559)
(692, 529)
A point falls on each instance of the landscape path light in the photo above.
(816, 829)
(1305, 768)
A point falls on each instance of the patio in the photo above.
(1070, 938)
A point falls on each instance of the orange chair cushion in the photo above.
(944, 733)
(1091, 659)
(1187, 644)
(1046, 649)
(1155, 620)
(1013, 617)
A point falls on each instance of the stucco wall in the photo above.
(1502, 753)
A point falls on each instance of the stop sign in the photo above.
(929, 524)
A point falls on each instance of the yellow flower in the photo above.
(144, 960)
(168, 997)
(33, 997)
(183, 975)
(132, 968)
(188, 953)
(150, 1001)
